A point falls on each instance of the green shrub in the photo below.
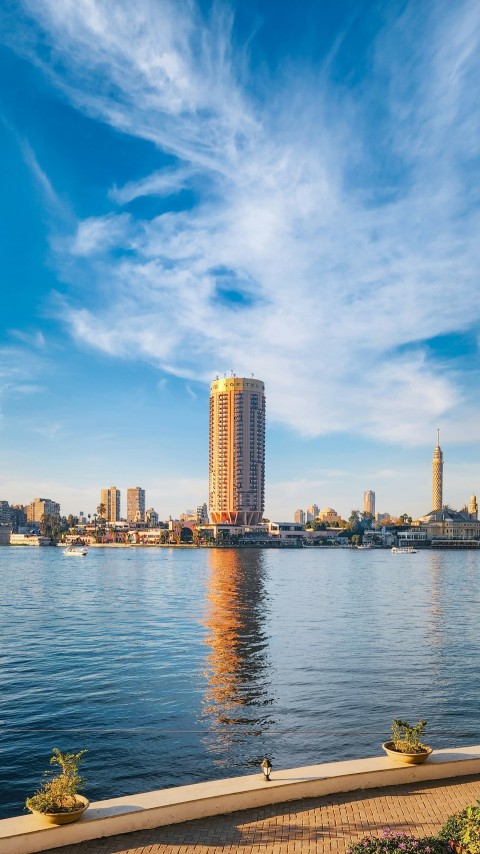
(463, 829)
(58, 793)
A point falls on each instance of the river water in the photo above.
(178, 665)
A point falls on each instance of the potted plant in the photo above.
(57, 800)
(462, 831)
(405, 745)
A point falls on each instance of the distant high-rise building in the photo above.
(369, 502)
(202, 514)
(299, 517)
(437, 476)
(312, 512)
(473, 507)
(151, 517)
(135, 504)
(110, 498)
(237, 451)
(5, 513)
(19, 516)
(40, 507)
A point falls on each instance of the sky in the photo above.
(267, 187)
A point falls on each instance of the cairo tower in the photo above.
(437, 476)
(237, 451)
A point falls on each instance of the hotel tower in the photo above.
(237, 451)
(437, 476)
(369, 502)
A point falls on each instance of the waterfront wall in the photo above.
(28, 834)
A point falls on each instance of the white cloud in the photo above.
(162, 183)
(35, 339)
(40, 175)
(342, 266)
(18, 368)
(98, 235)
(50, 430)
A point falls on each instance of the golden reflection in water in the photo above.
(434, 623)
(236, 666)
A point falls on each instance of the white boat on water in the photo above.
(403, 550)
(77, 550)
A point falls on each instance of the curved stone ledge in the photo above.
(27, 834)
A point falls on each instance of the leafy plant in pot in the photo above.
(405, 745)
(462, 831)
(57, 800)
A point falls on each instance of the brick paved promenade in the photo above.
(316, 825)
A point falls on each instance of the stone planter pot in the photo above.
(405, 758)
(64, 817)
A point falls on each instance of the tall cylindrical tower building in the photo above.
(369, 502)
(237, 451)
(437, 476)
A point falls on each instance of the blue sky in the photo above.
(268, 187)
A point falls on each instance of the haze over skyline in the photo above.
(193, 188)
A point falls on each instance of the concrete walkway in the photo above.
(316, 825)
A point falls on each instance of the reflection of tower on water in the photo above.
(435, 618)
(237, 694)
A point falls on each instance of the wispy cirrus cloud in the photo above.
(21, 369)
(334, 227)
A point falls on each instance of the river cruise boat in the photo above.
(404, 550)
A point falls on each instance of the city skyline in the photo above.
(164, 220)
(228, 463)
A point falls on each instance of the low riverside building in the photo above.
(311, 537)
(450, 527)
(29, 540)
(413, 537)
(286, 531)
(245, 532)
(148, 537)
(381, 537)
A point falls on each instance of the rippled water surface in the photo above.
(173, 666)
